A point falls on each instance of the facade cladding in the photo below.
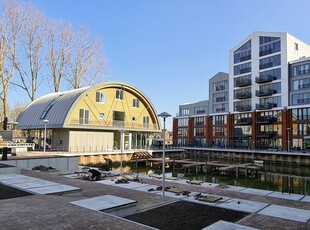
(262, 103)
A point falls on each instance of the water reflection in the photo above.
(283, 178)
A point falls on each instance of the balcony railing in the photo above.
(267, 134)
(242, 108)
(244, 121)
(264, 79)
(220, 110)
(265, 92)
(266, 106)
(266, 120)
(243, 95)
(243, 82)
(113, 124)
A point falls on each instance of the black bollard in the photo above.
(4, 153)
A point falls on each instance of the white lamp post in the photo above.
(288, 139)
(122, 147)
(164, 115)
(44, 144)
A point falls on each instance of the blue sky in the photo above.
(169, 49)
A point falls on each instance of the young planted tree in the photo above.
(87, 60)
(13, 17)
(29, 64)
(59, 45)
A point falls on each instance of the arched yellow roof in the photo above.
(134, 111)
(111, 106)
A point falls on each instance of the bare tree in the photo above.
(12, 19)
(59, 44)
(29, 65)
(87, 61)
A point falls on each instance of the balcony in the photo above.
(265, 52)
(264, 79)
(220, 110)
(267, 134)
(220, 99)
(244, 121)
(243, 82)
(266, 106)
(245, 70)
(266, 120)
(265, 92)
(266, 65)
(242, 108)
(243, 95)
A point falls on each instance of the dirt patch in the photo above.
(185, 215)
(7, 192)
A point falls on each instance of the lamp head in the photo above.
(164, 115)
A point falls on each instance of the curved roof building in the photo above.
(92, 116)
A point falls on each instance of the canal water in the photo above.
(283, 178)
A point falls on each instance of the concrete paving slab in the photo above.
(19, 180)
(54, 189)
(209, 185)
(11, 176)
(286, 196)
(255, 191)
(234, 188)
(286, 213)
(242, 205)
(146, 188)
(35, 184)
(306, 199)
(221, 225)
(108, 203)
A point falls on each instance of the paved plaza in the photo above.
(66, 202)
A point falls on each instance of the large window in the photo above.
(220, 108)
(199, 132)
(220, 85)
(301, 69)
(274, 74)
(184, 111)
(269, 45)
(219, 120)
(302, 98)
(199, 120)
(301, 84)
(119, 94)
(243, 53)
(243, 68)
(301, 114)
(100, 97)
(268, 62)
(200, 109)
(182, 122)
(83, 117)
(220, 97)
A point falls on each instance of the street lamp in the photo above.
(44, 144)
(164, 115)
(122, 147)
(288, 139)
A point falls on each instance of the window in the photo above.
(133, 119)
(83, 116)
(184, 111)
(146, 122)
(221, 85)
(200, 110)
(100, 97)
(183, 122)
(243, 68)
(135, 103)
(101, 116)
(269, 45)
(296, 46)
(243, 53)
(119, 94)
(268, 62)
(199, 121)
(301, 69)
